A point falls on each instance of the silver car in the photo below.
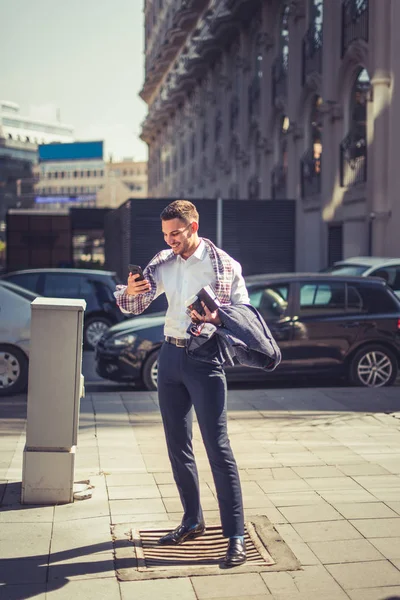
(370, 266)
(15, 332)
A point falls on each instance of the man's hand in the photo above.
(135, 288)
(209, 317)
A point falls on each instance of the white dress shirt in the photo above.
(180, 279)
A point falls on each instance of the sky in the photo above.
(83, 58)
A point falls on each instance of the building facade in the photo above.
(277, 99)
(76, 174)
(19, 140)
(14, 126)
(69, 174)
(123, 180)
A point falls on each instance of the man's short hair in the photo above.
(180, 209)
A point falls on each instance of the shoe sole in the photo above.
(234, 564)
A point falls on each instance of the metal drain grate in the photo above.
(206, 550)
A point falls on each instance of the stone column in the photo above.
(378, 146)
(332, 133)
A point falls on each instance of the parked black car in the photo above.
(96, 287)
(324, 324)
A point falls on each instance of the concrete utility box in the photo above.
(54, 391)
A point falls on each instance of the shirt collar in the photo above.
(198, 255)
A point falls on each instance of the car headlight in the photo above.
(123, 340)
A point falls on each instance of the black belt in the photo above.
(179, 342)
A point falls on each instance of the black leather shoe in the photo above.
(183, 533)
(236, 553)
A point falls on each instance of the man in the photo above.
(183, 381)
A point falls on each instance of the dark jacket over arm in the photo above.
(244, 338)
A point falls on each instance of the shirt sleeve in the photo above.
(137, 304)
(239, 294)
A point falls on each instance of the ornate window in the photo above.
(312, 41)
(311, 160)
(353, 149)
(281, 63)
(355, 19)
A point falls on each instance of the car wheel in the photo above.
(93, 330)
(373, 366)
(13, 370)
(150, 372)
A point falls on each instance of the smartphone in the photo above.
(135, 269)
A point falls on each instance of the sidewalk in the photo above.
(326, 476)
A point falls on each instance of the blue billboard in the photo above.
(71, 151)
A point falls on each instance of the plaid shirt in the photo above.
(221, 263)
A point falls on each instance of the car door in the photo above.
(273, 301)
(323, 330)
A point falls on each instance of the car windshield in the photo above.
(347, 270)
(19, 290)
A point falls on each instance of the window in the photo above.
(376, 300)
(64, 285)
(390, 274)
(318, 298)
(270, 301)
(29, 281)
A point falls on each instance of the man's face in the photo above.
(178, 235)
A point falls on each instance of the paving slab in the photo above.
(332, 483)
(141, 506)
(365, 575)
(166, 589)
(301, 498)
(22, 571)
(389, 547)
(133, 492)
(326, 531)
(225, 586)
(345, 551)
(315, 578)
(365, 510)
(33, 591)
(319, 472)
(371, 528)
(283, 485)
(26, 514)
(17, 540)
(376, 593)
(347, 496)
(394, 506)
(312, 513)
(93, 589)
(363, 469)
(129, 479)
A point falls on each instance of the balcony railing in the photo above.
(355, 17)
(353, 160)
(312, 52)
(254, 97)
(279, 79)
(279, 182)
(310, 173)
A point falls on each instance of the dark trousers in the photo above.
(183, 383)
